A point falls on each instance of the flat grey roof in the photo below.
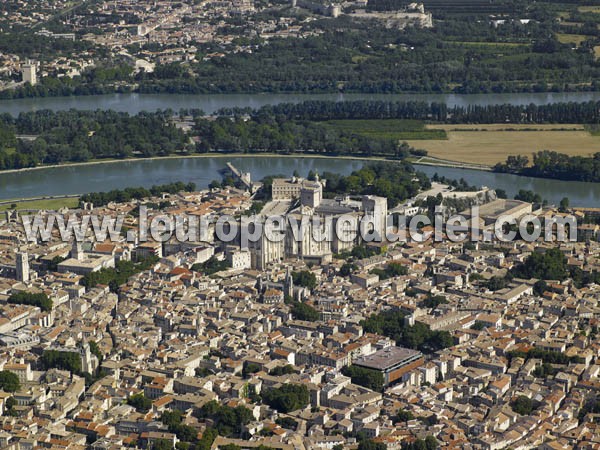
(499, 207)
(388, 357)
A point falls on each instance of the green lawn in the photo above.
(51, 203)
(388, 129)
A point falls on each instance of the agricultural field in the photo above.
(470, 7)
(589, 9)
(576, 39)
(488, 44)
(388, 129)
(493, 146)
(508, 127)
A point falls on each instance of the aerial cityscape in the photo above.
(299, 224)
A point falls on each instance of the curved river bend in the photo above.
(202, 170)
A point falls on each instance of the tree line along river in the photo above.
(134, 103)
(75, 179)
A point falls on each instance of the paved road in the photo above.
(60, 13)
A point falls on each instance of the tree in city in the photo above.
(9, 382)
(287, 398)
(369, 378)
(522, 405)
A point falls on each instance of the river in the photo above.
(103, 177)
(209, 103)
(202, 170)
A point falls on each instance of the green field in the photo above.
(50, 203)
(593, 129)
(489, 44)
(589, 9)
(576, 39)
(388, 129)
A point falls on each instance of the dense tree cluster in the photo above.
(282, 370)
(267, 134)
(347, 268)
(359, 252)
(369, 444)
(62, 87)
(228, 422)
(128, 194)
(249, 369)
(497, 283)
(211, 266)
(523, 405)
(369, 378)
(459, 54)
(115, 277)
(404, 415)
(174, 422)
(303, 311)
(287, 398)
(27, 44)
(459, 185)
(9, 382)
(58, 359)
(547, 356)
(140, 402)
(433, 301)
(549, 265)
(40, 300)
(9, 407)
(76, 136)
(322, 110)
(208, 437)
(528, 196)
(305, 278)
(418, 336)
(396, 181)
(429, 443)
(390, 270)
(545, 370)
(549, 164)
(286, 422)
(582, 278)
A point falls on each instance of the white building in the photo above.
(22, 267)
(29, 72)
(239, 259)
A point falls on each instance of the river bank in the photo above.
(202, 155)
(201, 170)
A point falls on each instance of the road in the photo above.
(61, 13)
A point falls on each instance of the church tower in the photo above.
(77, 250)
(288, 284)
(22, 266)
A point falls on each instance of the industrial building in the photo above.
(392, 362)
